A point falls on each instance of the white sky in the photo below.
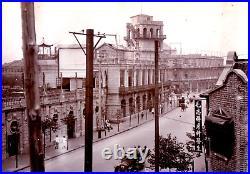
(212, 27)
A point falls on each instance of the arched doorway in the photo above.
(150, 103)
(144, 101)
(131, 106)
(71, 124)
(138, 103)
(123, 107)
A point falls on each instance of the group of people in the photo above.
(60, 142)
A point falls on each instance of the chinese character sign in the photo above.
(198, 125)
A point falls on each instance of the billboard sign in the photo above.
(72, 60)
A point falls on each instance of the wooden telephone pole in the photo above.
(31, 87)
(89, 101)
(156, 108)
(90, 47)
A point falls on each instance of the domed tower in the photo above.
(143, 31)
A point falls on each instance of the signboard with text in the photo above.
(198, 125)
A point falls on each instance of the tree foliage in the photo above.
(172, 154)
(69, 120)
(49, 123)
(190, 144)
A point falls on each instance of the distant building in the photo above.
(126, 83)
(12, 74)
(130, 70)
(227, 119)
(47, 66)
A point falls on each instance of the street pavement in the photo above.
(9, 164)
(175, 122)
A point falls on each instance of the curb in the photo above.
(81, 146)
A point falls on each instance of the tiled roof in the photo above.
(222, 76)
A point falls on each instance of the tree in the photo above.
(69, 121)
(48, 124)
(173, 154)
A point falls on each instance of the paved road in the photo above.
(175, 122)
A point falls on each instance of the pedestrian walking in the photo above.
(142, 115)
(64, 142)
(56, 142)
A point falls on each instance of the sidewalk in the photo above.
(9, 164)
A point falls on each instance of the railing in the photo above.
(12, 102)
(51, 97)
(141, 88)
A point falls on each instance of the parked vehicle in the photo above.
(131, 165)
(181, 101)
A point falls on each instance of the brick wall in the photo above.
(233, 98)
(63, 110)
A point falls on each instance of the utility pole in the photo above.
(89, 93)
(156, 108)
(31, 87)
(89, 101)
(100, 101)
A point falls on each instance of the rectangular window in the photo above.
(122, 77)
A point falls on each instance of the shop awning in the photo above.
(218, 120)
(220, 129)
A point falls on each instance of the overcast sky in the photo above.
(195, 27)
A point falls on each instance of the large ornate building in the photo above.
(124, 80)
(130, 70)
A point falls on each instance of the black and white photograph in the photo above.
(124, 86)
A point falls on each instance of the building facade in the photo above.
(123, 77)
(227, 120)
(130, 69)
(12, 74)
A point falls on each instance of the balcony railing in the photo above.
(141, 36)
(141, 88)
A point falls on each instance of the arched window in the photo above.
(138, 32)
(151, 33)
(144, 32)
(157, 33)
(131, 36)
